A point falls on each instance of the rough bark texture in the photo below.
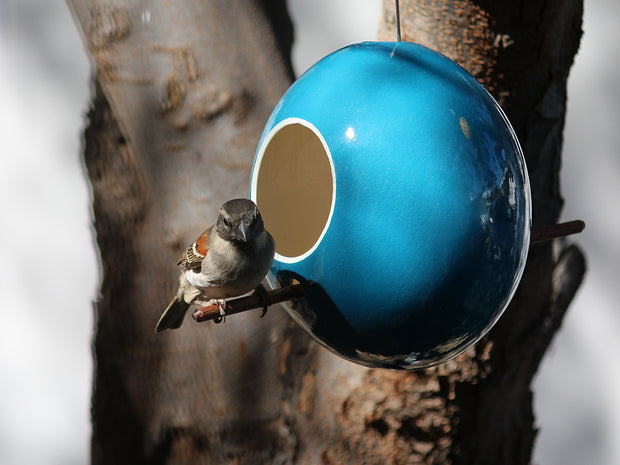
(189, 86)
(522, 52)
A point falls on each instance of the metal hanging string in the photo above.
(397, 19)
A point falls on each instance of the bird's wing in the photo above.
(195, 253)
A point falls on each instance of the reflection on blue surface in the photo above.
(430, 228)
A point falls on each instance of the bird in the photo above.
(230, 258)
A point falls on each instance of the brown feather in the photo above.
(195, 253)
(202, 243)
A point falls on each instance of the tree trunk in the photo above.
(190, 86)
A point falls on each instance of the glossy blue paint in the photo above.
(430, 226)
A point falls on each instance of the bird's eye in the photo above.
(226, 222)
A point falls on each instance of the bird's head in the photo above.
(239, 221)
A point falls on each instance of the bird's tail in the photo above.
(172, 318)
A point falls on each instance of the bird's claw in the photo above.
(265, 298)
(221, 305)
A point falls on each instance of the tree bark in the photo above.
(190, 86)
(183, 91)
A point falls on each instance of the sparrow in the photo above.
(228, 259)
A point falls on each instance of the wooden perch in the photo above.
(548, 233)
(296, 291)
(255, 300)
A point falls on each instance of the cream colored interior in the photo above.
(294, 188)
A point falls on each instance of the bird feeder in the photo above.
(398, 196)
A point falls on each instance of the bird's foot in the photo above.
(221, 305)
(265, 298)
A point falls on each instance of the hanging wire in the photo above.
(397, 19)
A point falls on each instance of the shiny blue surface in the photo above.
(430, 228)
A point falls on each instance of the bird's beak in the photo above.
(243, 231)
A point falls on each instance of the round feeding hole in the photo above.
(294, 186)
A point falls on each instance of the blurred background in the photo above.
(49, 274)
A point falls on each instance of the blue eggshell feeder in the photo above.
(398, 196)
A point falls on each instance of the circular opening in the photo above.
(294, 186)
